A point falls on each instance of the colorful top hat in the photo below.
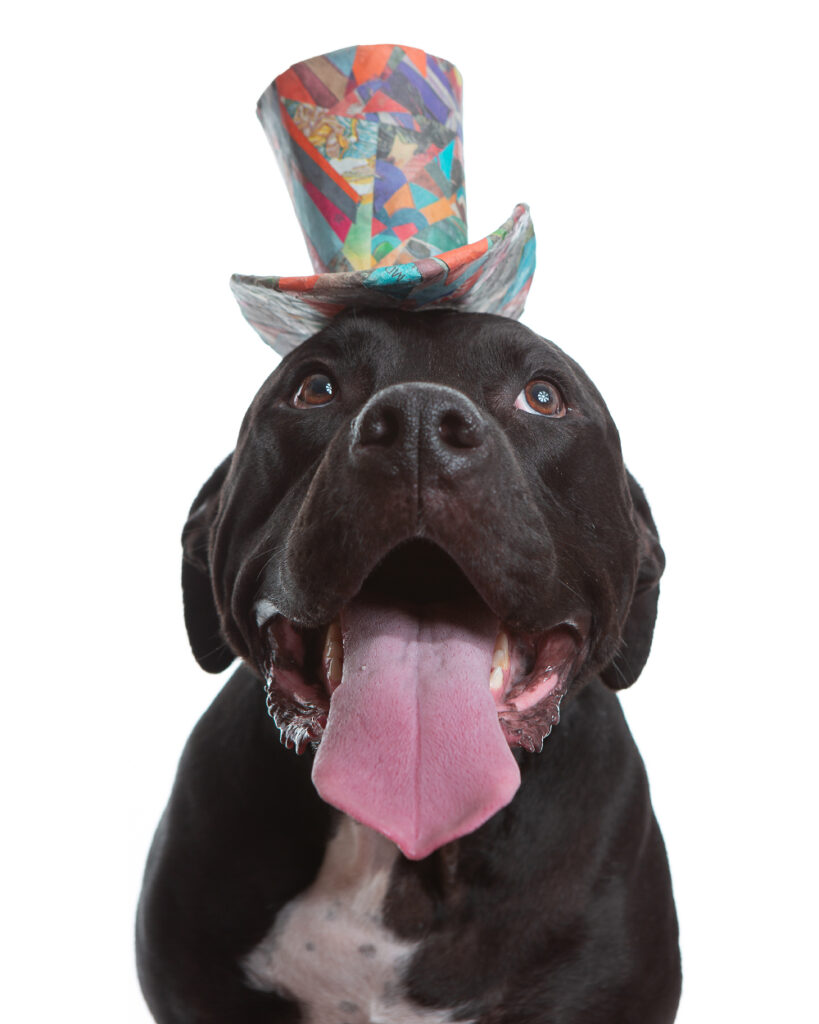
(370, 143)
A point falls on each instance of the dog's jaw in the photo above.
(528, 702)
(391, 676)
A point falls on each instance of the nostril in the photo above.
(457, 431)
(380, 427)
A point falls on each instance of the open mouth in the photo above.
(417, 690)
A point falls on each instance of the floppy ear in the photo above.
(632, 655)
(201, 617)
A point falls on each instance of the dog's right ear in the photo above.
(201, 617)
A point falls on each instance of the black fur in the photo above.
(559, 909)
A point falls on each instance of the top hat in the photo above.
(370, 143)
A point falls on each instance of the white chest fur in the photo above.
(328, 948)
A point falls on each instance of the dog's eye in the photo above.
(317, 389)
(542, 398)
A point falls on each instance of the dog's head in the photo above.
(425, 538)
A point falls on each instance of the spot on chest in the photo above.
(328, 948)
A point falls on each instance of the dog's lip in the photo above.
(318, 615)
(268, 618)
(299, 691)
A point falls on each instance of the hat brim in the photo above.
(492, 275)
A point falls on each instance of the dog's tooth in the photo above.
(500, 656)
(496, 679)
(333, 654)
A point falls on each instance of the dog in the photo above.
(436, 571)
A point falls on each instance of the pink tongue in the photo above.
(413, 747)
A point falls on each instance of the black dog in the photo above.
(427, 517)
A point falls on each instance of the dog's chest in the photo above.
(328, 948)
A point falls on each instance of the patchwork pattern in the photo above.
(370, 144)
(369, 140)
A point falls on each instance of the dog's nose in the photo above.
(420, 421)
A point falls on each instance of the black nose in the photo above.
(427, 423)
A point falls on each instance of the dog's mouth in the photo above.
(414, 695)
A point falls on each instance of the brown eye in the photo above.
(317, 389)
(542, 398)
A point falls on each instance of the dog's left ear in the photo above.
(632, 655)
(201, 616)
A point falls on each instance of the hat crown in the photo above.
(370, 143)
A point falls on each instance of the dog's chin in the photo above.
(417, 676)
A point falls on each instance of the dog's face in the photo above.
(424, 540)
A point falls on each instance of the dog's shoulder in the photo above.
(242, 834)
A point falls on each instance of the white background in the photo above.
(668, 152)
